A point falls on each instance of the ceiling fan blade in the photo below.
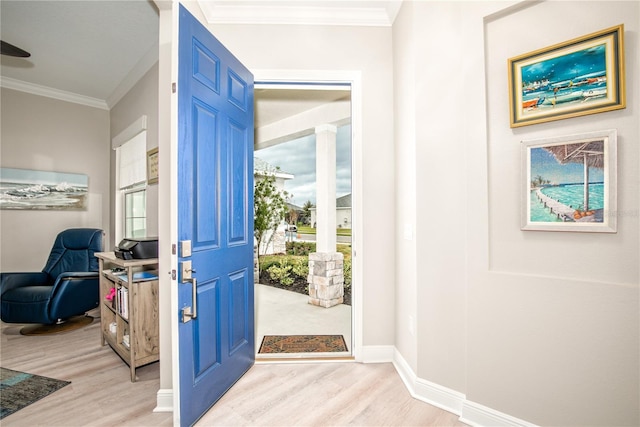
(11, 50)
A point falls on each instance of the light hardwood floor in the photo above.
(309, 394)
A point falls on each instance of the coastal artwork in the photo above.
(40, 190)
(570, 183)
(582, 76)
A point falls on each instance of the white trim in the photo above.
(451, 400)
(437, 395)
(326, 128)
(354, 79)
(477, 415)
(35, 89)
(284, 86)
(164, 400)
(221, 12)
(426, 391)
(132, 130)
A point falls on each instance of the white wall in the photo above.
(541, 326)
(51, 135)
(562, 307)
(365, 49)
(406, 272)
(141, 100)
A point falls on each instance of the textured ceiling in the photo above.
(82, 47)
(90, 47)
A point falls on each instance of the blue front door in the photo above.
(215, 218)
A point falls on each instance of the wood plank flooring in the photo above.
(100, 393)
(293, 394)
(323, 394)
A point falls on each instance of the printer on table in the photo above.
(141, 248)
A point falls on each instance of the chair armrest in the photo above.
(78, 275)
(72, 291)
(73, 279)
(9, 281)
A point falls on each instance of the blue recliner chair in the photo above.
(66, 287)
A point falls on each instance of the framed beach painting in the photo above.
(42, 190)
(575, 78)
(569, 183)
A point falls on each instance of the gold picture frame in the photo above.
(152, 166)
(570, 79)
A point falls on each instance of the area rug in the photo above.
(302, 344)
(19, 389)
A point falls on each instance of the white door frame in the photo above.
(353, 78)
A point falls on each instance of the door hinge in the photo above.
(173, 87)
(173, 249)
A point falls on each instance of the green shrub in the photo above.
(347, 273)
(300, 248)
(287, 268)
(267, 261)
(301, 267)
(281, 272)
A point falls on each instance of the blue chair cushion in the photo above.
(27, 305)
(67, 286)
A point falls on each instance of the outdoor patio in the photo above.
(281, 312)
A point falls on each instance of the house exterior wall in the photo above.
(343, 217)
(51, 135)
(541, 326)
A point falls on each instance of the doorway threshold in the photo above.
(302, 358)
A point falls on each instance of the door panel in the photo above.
(215, 202)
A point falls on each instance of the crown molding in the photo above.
(35, 89)
(138, 71)
(373, 13)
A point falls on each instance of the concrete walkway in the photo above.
(281, 312)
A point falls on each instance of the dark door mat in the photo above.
(302, 344)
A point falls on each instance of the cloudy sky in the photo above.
(298, 158)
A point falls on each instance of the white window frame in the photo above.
(124, 193)
(122, 138)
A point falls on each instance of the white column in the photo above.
(326, 188)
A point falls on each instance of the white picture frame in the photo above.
(569, 183)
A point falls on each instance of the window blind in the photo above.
(133, 161)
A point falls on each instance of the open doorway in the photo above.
(287, 120)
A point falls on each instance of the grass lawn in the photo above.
(305, 229)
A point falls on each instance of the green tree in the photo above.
(539, 181)
(306, 211)
(293, 216)
(269, 209)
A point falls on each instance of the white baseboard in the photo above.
(426, 391)
(164, 400)
(450, 400)
(376, 354)
(475, 414)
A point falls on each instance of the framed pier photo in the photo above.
(569, 183)
(578, 77)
